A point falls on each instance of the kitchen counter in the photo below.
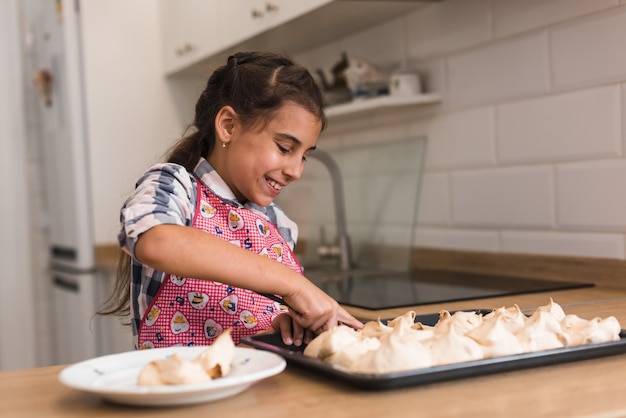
(586, 388)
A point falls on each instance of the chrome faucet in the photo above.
(342, 248)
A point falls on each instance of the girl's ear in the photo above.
(224, 124)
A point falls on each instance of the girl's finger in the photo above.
(297, 333)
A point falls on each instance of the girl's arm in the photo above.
(190, 252)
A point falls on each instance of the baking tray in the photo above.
(294, 356)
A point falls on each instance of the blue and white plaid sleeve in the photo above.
(165, 194)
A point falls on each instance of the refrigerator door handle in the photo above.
(63, 253)
(66, 284)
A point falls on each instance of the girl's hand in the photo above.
(349, 320)
(313, 309)
(290, 331)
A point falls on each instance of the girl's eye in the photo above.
(282, 149)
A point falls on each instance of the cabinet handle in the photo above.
(271, 7)
(184, 50)
(257, 13)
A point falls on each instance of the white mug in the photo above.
(405, 83)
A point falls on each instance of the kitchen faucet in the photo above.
(342, 249)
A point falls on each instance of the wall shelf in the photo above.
(365, 105)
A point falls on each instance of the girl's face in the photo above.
(257, 163)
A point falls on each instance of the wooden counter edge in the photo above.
(604, 272)
(107, 256)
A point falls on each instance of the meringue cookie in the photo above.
(174, 370)
(554, 309)
(331, 341)
(396, 353)
(495, 335)
(403, 344)
(217, 358)
(459, 322)
(542, 331)
(214, 362)
(578, 331)
(511, 318)
(452, 347)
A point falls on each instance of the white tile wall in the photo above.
(518, 196)
(590, 51)
(579, 125)
(369, 45)
(623, 116)
(591, 195)
(515, 16)
(434, 208)
(462, 139)
(448, 26)
(503, 70)
(460, 239)
(526, 150)
(564, 243)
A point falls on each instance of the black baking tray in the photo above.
(294, 356)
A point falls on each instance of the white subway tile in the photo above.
(509, 69)
(590, 51)
(592, 194)
(432, 74)
(458, 239)
(515, 16)
(295, 200)
(434, 200)
(323, 57)
(383, 44)
(583, 124)
(381, 235)
(448, 26)
(461, 139)
(564, 243)
(623, 117)
(520, 196)
(374, 134)
(338, 127)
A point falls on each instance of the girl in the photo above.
(202, 229)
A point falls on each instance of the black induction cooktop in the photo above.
(385, 290)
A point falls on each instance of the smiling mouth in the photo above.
(274, 184)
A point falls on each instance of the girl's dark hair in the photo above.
(255, 85)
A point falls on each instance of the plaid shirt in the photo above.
(166, 194)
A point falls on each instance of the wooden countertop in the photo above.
(589, 388)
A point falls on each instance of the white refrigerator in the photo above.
(53, 51)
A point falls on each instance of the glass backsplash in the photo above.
(381, 183)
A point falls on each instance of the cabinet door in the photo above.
(244, 19)
(282, 11)
(241, 20)
(190, 31)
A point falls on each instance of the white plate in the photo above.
(114, 377)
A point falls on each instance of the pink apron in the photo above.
(187, 311)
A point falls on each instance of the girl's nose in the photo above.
(294, 168)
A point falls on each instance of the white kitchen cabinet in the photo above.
(245, 19)
(195, 29)
(199, 35)
(190, 31)
(241, 19)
